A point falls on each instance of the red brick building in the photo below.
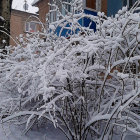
(43, 9)
(22, 24)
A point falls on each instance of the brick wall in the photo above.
(43, 10)
(18, 20)
(104, 6)
(91, 4)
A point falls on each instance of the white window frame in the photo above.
(52, 13)
(98, 5)
(66, 7)
(29, 24)
(53, 16)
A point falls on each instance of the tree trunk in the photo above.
(5, 12)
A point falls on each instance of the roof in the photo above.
(35, 2)
(18, 5)
(23, 12)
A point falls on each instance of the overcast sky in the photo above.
(18, 4)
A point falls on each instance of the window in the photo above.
(53, 13)
(66, 7)
(129, 3)
(53, 16)
(30, 27)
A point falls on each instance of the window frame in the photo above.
(52, 14)
(29, 24)
(66, 7)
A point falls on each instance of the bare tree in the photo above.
(5, 14)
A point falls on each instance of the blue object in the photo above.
(113, 6)
(84, 22)
(87, 22)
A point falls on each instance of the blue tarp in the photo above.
(87, 21)
(84, 22)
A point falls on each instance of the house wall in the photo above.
(113, 6)
(94, 4)
(91, 4)
(18, 20)
(43, 10)
(44, 7)
(104, 6)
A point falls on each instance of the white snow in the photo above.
(35, 1)
(13, 132)
(18, 5)
(78, 84)
(1, 18)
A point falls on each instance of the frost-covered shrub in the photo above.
(86, 85)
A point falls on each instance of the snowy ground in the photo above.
(50, 133)
(16, 133)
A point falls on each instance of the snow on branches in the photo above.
(87, 85)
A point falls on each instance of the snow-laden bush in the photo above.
(87, 85)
